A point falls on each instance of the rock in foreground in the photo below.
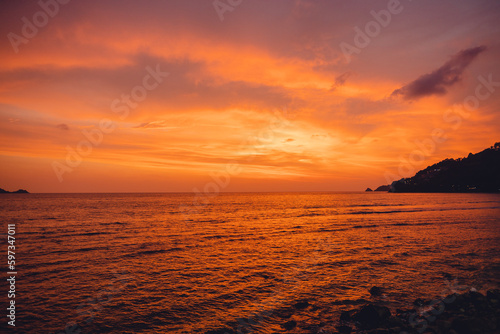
(467, 313)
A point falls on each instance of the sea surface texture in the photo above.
(175, 263)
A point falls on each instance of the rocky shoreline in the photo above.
(470, 312)
(467, 313)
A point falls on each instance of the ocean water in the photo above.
(172, 263)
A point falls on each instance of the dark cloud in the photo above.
(435, 83)
(340, 80)
(148, 125)
(157, 125)
(62, 126)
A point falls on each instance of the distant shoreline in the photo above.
(19, 191)
(251, 192)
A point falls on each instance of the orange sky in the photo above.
(266, 99)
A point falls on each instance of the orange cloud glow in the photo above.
(267, 89)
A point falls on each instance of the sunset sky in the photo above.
(296, 95)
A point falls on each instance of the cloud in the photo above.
(155, 125)
(340, 80)
(436, 82)
(62, 126)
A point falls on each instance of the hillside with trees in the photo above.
(478, 172)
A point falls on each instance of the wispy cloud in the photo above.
(154, 125)
(62, 126)
(436, 82)
(340, 80)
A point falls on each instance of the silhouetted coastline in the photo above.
(476, 173)
(19, 191)
(468, 312)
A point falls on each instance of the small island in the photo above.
(19, 191)
(381, 188)
(384, 188)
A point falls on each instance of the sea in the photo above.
(237, 262)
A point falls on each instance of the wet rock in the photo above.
(301, 305)
(464, 325)
(450, 298)
(371, 316)
(475, 297)
(419, 302)
(375, 291)
(379, 331)
(289, 325)
(491, 323)
(347, 315)
(467, 313)
(478, 302)
(443, 325)
(458, 303)
(493, 296)
(344, 329)
(395, 322)
(400, 312)
(325, 330)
